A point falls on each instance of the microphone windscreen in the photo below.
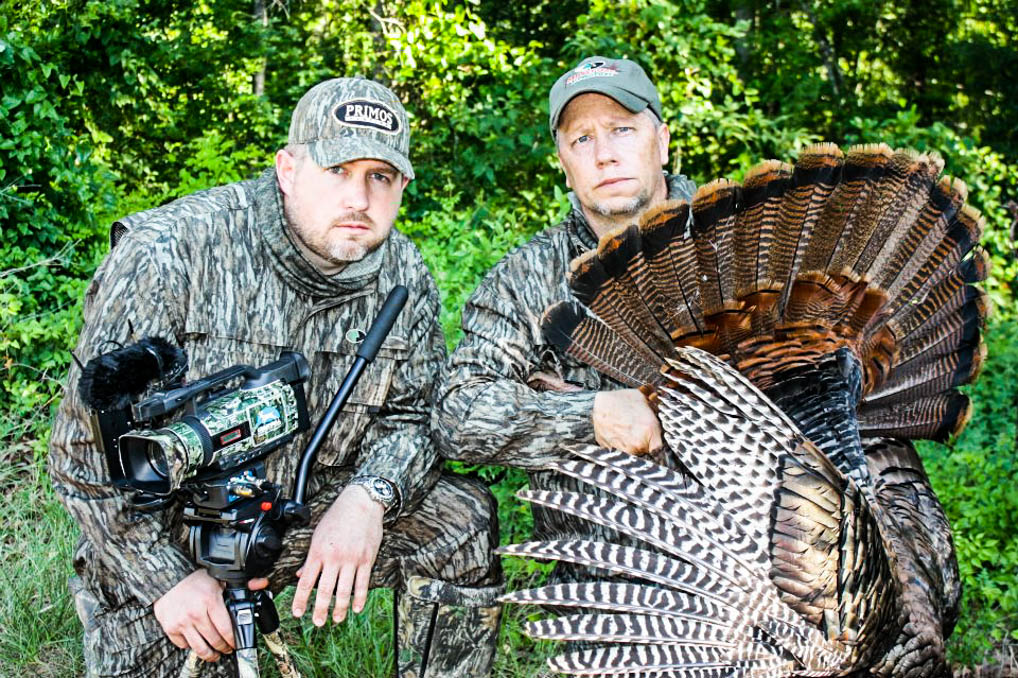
(113, 380)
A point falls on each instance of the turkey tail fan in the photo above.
(864, 167)
(888, 213)
(815, 175)
(713, 232)
(671, 257)
(865, 250)
(762, 191)
(600, 280)
(915, 247)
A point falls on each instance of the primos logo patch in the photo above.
(369, 114)
(595, 69)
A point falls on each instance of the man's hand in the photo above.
(624, 421)
(194, 616)
(341, 555)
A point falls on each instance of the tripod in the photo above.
(237, 522)
(236, 529)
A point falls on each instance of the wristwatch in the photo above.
(379, 489)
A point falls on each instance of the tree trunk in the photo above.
(260, 13)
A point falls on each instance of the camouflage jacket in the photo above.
(217, 273)
(492, 406)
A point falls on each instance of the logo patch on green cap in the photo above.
(594, 69)
(369, 114)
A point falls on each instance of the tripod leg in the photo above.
(241, 604)
(247, 663)
(192, 667)
(277, 646)
(268, 623)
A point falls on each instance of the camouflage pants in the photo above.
(448, 536)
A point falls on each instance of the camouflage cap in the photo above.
(346, 119)
(621, 79)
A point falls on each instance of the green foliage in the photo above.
(50, 188)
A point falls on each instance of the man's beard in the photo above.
(337, 253)
(630, 208)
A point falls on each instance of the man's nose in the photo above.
(604, 152)
(354, 196)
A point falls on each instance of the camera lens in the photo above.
(157, 459)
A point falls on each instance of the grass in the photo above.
(974, 476)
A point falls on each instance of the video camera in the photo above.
(220, 429)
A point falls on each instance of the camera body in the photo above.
(220, 429)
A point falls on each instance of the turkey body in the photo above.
(794, 336)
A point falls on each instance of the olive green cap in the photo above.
(347, 119)
(621, 79)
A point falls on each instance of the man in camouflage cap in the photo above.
(302, 259)
(507, 396)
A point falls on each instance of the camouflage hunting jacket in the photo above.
(217, 273)
(497, 401)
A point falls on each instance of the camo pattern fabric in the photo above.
(446, 631)
(507, 396)
(217, 273)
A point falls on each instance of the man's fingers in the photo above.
(343, 590)
(259, 583)
(220, 619)
(326, 585)
(308, 577)
(212, 636)
(360, 588)
(198, 644)
(178, 640)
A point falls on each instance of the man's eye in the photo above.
(336, 169)
(581, 139)
(623, 129)
(384, 178)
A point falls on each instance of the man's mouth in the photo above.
(612, 181)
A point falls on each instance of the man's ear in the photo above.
(663, 137)
(406, 180)
(286, 170)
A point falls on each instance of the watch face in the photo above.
(380, 490)
(384, 489)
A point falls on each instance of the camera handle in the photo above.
(247, 607)
(365, 354)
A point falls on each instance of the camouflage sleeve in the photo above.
(485, 411)
(134, 288)
(397, 446)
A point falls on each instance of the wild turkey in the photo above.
(793, 530)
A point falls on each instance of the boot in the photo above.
(446, 631)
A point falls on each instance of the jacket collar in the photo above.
(288, 262)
